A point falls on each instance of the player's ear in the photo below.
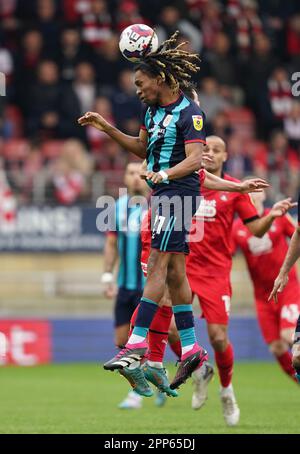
(160, 79)
(225, 157)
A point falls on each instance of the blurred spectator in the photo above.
(280, 93)
(95, 137)
(293, 36)
(128, 14)
(221, 64)
(74, 9)
(45, 98)
(281, 166)
(111, 156)
(248, 24)
(6, 64)
(26, 63)
(78, 98)
(292, 126)
(70, 173)
(220, 126)
(97, 24)
(210, 99)
(109, 63)
(238, 163)
(7, 204)
(47, 22)
(211, 23)
(127, 107)
(71, 52)
(171, 20)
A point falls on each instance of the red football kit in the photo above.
(264, 258)
(210, 260)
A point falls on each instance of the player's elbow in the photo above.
(256, 230)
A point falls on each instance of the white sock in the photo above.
(186, 349)
(228, 389)
(135, 396)
(156, 364)
(135, 339)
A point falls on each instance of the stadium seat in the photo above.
(242, 122)
(15, 149)
(52, 148)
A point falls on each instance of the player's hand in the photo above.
(155, 177)
(279, 284)
(110, 290)
(281, 208)
(93, 119)
(253, 185)
(206, 159)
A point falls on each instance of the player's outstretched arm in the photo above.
(259, 227)
(136, 145)
(219, 184)
(291, 257)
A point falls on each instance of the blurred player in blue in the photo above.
(123, 245)
(281, 281)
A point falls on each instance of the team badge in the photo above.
(198, 122)
(167, 120)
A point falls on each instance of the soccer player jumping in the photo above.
(171, 138)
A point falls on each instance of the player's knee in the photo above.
(219, 341)
(278, 347)
(286, 336)
(175, 276)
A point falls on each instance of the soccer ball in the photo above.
(135, 40)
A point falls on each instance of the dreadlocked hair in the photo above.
(174, 65)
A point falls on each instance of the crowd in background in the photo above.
(61, 59)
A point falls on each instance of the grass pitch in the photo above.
(83, 398)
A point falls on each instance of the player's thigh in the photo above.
(214, 297)
(268, 320)
(288, 313)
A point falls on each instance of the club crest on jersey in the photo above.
(167, 120)
(197, 122)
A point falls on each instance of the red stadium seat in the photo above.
(15, 149)
(52, 148)
(242, 122)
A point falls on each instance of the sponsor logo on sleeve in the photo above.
(197, 122)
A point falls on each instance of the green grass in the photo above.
(83, 399)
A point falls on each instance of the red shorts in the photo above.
(273, 318)
(214, 295)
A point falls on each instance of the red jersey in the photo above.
(265, 255)
(213, 255)
(146, 231)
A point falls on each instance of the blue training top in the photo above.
(128, 225)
